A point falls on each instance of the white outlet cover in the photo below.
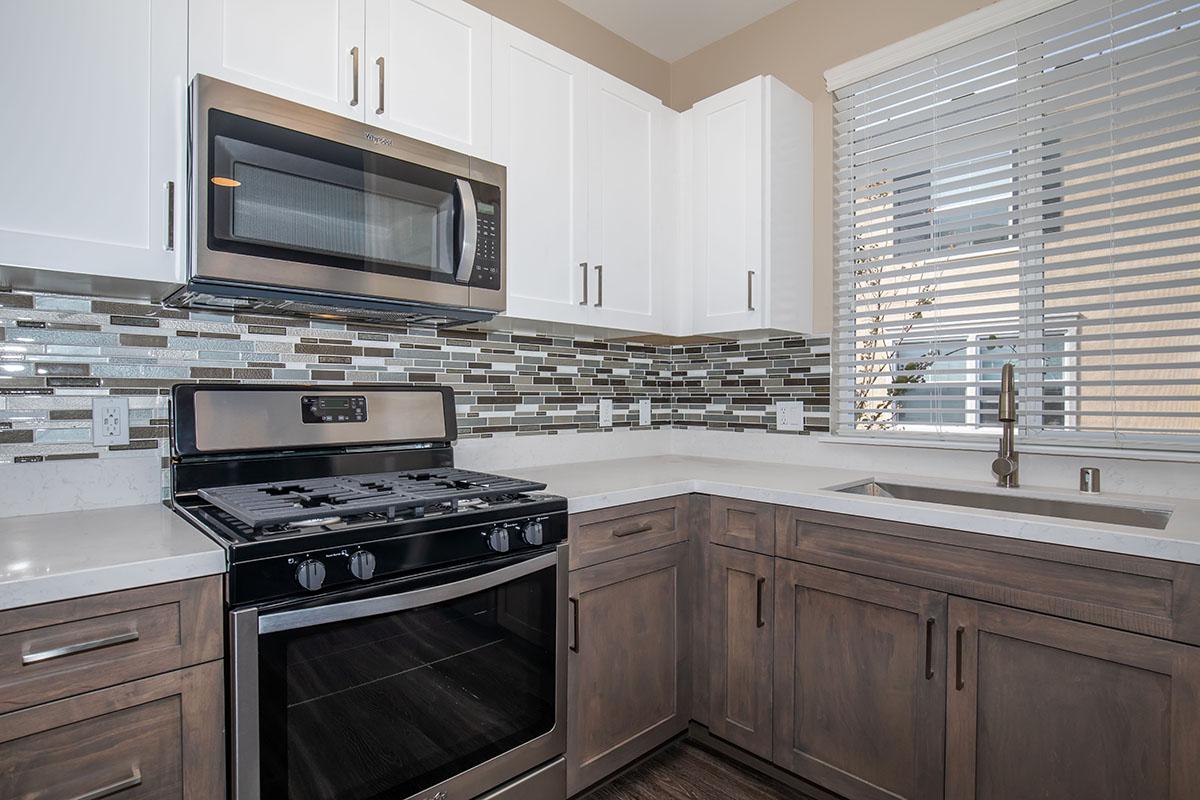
(110, 421)
(789, 415)
(606, 413)
(644, 411)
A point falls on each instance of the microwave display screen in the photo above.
(486, 208)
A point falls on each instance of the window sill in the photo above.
(988, 446)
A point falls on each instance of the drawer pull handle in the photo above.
(75, 649)
(643, 528)
(108, 791)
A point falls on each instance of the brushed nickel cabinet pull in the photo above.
(929, 649)
(574, 646)
(958, 671)
(599, 285)
(583, 266)
(169, 244)
(113, 788)
(749, 290)
(354, 73)
(759, 613)
(75, 649)
(645, 526)
(379, 63)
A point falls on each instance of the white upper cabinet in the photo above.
(430, 72)
(92, 112)
(301, 50)
(541, 120)
(752, 215)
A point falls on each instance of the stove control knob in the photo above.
(310, 574)
(533, 534)
(497, 539)
(362, 565)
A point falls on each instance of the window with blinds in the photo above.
(1031, 196)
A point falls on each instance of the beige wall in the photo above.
(567, 29)
(797, 44)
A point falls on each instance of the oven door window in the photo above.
(286, 195)
(386, 706)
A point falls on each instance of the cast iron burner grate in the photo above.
(388, 493)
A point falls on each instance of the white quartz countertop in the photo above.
(48, 557)
(602, 484)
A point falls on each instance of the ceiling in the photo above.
(671, 29)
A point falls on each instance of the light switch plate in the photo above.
(789, 415)
(644, 411)
(606, 420)
(110, 420)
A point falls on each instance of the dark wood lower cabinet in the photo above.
(627, 675)
(1040, 707)
(741, 586)
(859, 683)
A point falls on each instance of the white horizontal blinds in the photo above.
(1031, 196)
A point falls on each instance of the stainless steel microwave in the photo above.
(299, 211)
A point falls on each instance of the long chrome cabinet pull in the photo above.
(574, 646)
(583, 266)
(958, 669)
(169, 242)
(929, 649)
(759, 612)
(749, 290)
(108, 791)
(599, 285)
(75, 649)
(379, 63)
(354, 75)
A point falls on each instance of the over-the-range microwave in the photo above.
(300, 211)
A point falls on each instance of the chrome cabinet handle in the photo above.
(749, 290)
(929, 649)
(574, 646)
(759, 612)
(169, 242)
(113, 788)
(81, 647)
(599, 285)
(354, 72)
(635, 529)
(379, 63)
(583, 266)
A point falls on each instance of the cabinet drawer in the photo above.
(62, 649)
(1160, 598)
(611, 533)
(159, 738)
(743, 524)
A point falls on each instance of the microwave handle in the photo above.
(466, 261)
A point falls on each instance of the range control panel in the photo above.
(325, 408)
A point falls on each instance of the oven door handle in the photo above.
(374, 606)
(470, 232)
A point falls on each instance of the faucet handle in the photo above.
(1089, 480)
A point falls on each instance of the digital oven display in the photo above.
(333, 408)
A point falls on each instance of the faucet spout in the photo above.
(1007, 465)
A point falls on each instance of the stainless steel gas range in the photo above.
(397, 626)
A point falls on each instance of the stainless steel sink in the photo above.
(1134, 516)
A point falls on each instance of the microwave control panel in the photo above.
(488, 240)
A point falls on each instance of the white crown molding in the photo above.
(926, 43)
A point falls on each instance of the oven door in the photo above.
(453, 686)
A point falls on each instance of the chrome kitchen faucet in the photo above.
(1007, 466)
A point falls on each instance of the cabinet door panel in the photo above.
(627, 672)
(1042, 707)
(859, 683)
(437, 72)
(91, 125)
(540, 111)
(744, 524)
(740, 641)
(296, 49)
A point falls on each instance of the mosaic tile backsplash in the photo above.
(58, 352)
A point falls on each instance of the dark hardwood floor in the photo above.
(685, 771)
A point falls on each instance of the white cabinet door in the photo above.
(541, 115)
(301, 50)
(728, 216)
(429, 72)
(624, 135)
(92, 112)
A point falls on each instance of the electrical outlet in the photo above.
(644, 411)
(789, 415)
(110, 420)
(606, 413)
